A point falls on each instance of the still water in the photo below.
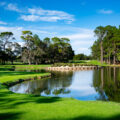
(100, 84)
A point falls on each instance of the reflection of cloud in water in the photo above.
(82, 81)
(20, 88)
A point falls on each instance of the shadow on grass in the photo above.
(116, 117)
(12, 100)
(10, 116)
(7, 68)
(12, 73)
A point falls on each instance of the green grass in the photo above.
(95, 62)
(31, 67)
(10, 76)
(25, 67)
(31, 107)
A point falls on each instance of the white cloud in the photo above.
(39, 14)
(21, 43)
(30, 17)
(3, 23)
(47, 15)
(82, 50)
(103, 11)
(13, 7)
(44, 18)
(40, 11)
(80, 36)
(82, 40)
(15, 30)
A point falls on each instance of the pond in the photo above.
(99, 84)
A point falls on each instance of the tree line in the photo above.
(82, 57)
(107, 46)
(34, 50)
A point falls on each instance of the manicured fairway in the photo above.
(30, 107)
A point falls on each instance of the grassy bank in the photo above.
(24, 67)
(30, 107)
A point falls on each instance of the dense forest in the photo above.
(107, 46)
(34, 50)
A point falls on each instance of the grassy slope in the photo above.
(30, 107)
(9, 76)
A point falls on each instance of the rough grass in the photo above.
(30, 107)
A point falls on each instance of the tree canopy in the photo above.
(107, 46)
(34, 50)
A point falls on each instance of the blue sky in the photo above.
(75, 19)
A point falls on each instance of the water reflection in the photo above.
(106, 82)
(101, 84)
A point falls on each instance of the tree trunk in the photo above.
(3, 62)
(29, 61)
(101, 48)
(114, 59)
(36, 62)
(114, 74)
(102, 78)
(11, 62)
(109, 59)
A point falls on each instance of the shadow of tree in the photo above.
(9, 116)
(9, 100)
(7, 68)
(11, 73)
(116, 117)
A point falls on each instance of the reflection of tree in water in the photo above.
(106, 82)
(56, 85)
(59, 82)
